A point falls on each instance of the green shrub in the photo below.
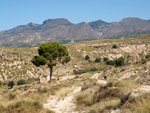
(97, 60)
(80, 71)
(119, 61)
(106, 59)
(87, 57)
(84, 71)
(147, 56)
(110, 62)
(21, 82)
(11, 84)
(93, 69)
(114, 46)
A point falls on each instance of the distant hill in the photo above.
(64, 31)
(127, 26)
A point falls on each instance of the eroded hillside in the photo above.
(79, 86)
(16, 62)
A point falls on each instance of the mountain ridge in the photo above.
(63, 31)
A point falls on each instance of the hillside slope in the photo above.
(15, 62)
(79, 84)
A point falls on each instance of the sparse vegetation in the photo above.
(116, 62)
(84, 71)
(97, 60)
(11, 84)
(84, 99)
(110, 62)
(21, 82)
(114, 46)
(79, 71)
(143, 106)
(147, 56)
(119, 61)
(23, 106)
(87, 57)
(93, 69)
(106, 59)
(125, 75)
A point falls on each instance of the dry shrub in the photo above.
(2, 108)
(24, 106)
(11, 96)
(42, 89)
(110, 92)
(105, 105)
(63, 92)
(143, 106)
(129, 84)
(84, 99)
(140, 104)
(92, 83)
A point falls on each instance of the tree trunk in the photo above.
(51, 70)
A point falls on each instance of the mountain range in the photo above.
(64, 31)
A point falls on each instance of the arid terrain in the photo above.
(79, 86)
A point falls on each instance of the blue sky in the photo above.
(21, 12)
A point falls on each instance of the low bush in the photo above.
(87, 57)
(42, 89)
(25, 107)
(105, 93)
(12, 96)
(97, 60)
(143, 60)
(11, 84)
(114, 46)
(93, 69)
(84, 99)
(106, 59)
(21, 82)
(79, 71)
(84, 71)
(147, 56)
(117, 62)
(110, 62)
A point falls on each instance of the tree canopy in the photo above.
(50, 54)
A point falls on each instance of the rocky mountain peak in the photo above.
(58, 21)
(131, 20)
(98, 22)
(99, 25)
(31, 24)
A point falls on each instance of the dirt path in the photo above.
(95, 76)
(65, 105)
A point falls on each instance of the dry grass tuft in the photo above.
(84, 99)
(129, 84)
(63, 92)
